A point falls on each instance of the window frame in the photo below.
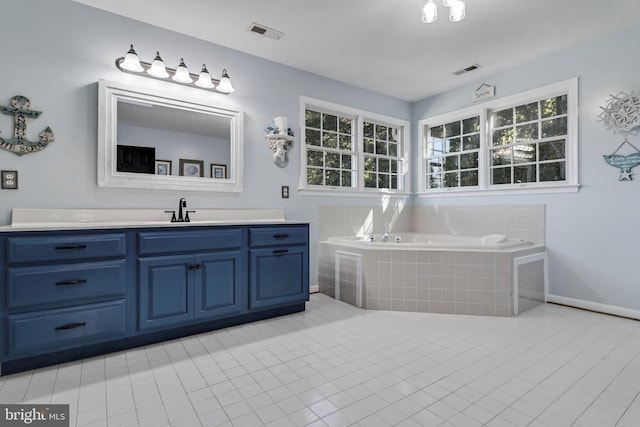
(359, 117)
(484, 110)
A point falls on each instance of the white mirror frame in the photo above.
(108, 95)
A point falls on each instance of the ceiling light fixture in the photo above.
(456, 10)
(131, 64)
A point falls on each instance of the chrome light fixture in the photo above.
(130, 63)
(456, 10)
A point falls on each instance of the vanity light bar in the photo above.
(131, 64)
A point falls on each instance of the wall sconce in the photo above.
(280, 139)
(130, 63)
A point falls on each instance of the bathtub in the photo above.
(416, 241)
(489, 275)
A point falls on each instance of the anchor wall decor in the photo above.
(19, 144)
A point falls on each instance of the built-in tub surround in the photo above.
(441, 278)
(405, 241)
(520, 222)
(492, 282)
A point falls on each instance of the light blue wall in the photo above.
(54, 52)
(591, 235)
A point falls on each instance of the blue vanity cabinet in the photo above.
(189, 285)
(278, 266)
(71, 294)
(63, 290)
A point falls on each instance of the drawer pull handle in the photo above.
(280, 236)
(71, 282)
(71, 247)
(280, 251)
(71, 326)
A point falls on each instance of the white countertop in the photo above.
(70, 219)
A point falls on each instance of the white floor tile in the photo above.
(336, 365)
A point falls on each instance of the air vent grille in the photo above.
(466, 69)
(265, 31)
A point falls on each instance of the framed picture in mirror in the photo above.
(163, 167)
(191, 168)
(218, 171)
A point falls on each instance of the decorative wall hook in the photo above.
(622, 115)
(280, 140)
(624, 163)
(19, 144)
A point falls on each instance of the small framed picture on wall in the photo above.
(191, 167)
(163, 167)
(218, 171)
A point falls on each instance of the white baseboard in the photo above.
(595, 306)
(314, 288)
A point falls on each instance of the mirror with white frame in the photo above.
(154, 138)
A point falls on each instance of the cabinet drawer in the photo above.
(278, 236)
(29, 286)
(182, 241)
(62, 248)
(57, 329)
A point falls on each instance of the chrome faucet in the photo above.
(384, 237)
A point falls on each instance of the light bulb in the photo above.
(429, 12)
(157, 68)
(204, 79)
(225, 83)
(182, 73)
(132, 62)
(457, 11)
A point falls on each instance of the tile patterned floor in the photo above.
(336, 365)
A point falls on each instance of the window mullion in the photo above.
(360, 151)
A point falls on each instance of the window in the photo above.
(346, 150)
(526, 142)
(452, 154)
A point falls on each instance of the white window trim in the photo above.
(571, 184)
(360, 117)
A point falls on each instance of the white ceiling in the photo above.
(382, 45)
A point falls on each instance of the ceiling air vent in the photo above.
(265, 31)
(466, 69)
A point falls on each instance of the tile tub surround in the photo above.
(520, 222)
(434, 281)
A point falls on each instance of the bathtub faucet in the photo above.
(384, 237)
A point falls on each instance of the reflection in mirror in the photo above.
(148, 139)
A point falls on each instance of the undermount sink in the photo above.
(45, 218)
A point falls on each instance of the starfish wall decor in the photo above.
(622, 114)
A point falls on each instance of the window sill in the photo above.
(351, 193)
(456, 192)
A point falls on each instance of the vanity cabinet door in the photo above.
(278, 275)
(165, 290)
(184, 288)
(218, 290)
